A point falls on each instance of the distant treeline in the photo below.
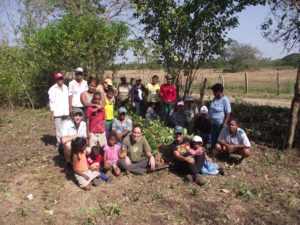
(219, 63)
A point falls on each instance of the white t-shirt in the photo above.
(68, 129)
(75, 89)
(239, 139)
(59, 100)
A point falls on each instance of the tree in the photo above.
(282, 26)
(188, 32)
(88, 40)
(239, 56)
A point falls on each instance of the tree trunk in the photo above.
(295, 108)
(202, 91)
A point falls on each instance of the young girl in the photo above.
(109, 110)
(94, 161)
(111, 155)
(83, 175)
(208, 167)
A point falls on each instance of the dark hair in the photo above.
(112, 135)
(233, 119)
(110, 89)
(92, 79)
(97, 93)
(217, 88)
(154, 76)
(78, 145)
(95, 151)
(137, 125)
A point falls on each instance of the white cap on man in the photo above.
(79, 70)
(197, 138)
(204, 110)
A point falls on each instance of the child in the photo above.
(94, 162)
(83, 175)
(111, 155)
(96, 123)
(109, 110)
(150, 113)
(208, 167)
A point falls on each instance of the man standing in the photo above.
(124, 89)
(167, 95)
(59, 105)
(76, 87)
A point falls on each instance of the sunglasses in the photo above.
(178, 134)
(78, 114)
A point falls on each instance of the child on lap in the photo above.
(208, 167)
(94, 161)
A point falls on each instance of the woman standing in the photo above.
(219, 112)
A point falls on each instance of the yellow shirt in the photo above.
(152, 92)
(109, 110)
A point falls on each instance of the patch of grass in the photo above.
(112, 209)
(247, 193)
(90, 211)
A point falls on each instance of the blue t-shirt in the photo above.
(218, 108)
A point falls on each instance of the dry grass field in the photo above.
(262, 81)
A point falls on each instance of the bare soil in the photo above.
(263, 191)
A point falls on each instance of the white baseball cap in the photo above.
(204, 110)
(79, 70)
(197, 138)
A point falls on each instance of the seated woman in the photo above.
(233, 139)
(136, 154)
(185, 162)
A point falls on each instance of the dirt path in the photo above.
(263, 191)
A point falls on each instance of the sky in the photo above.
(248, 32)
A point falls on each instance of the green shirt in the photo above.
(136, 150)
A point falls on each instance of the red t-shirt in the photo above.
(97, 120)
(98, 160)
(168, 92)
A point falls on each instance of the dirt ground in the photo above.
(263, 191)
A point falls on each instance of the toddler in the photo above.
(94, 161)
(83, 174)
(208, 167)
(111, 155)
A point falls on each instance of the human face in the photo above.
(78, 76)
(197, 144)
(138, 82)
(77, 118)
(112, 141)
(92, 87)
(60, 81)
(122, 116)
(217, 94)
(169, 81)
(97, 99)
(105, 85)
(109, 95)
(179, 136)
(136, 134)
(123, 80)
(180, 108)
(154, 80)
(232, 127)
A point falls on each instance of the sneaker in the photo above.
(97, 181)
(221, 171)
(189, 178)
(198, 180)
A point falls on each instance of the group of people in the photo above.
(96, 138)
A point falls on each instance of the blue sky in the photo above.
(248, 32)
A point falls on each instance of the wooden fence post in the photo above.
(246, 82)
(278, 84)
(202, 91)
(221, 77)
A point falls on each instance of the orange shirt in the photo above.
(80, 162)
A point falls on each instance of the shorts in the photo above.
(96, 138)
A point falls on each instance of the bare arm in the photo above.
(122, 154)
(226, 119)
(66, 139)
(70, 103)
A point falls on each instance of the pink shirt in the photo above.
(198, 151)
(112, 153)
